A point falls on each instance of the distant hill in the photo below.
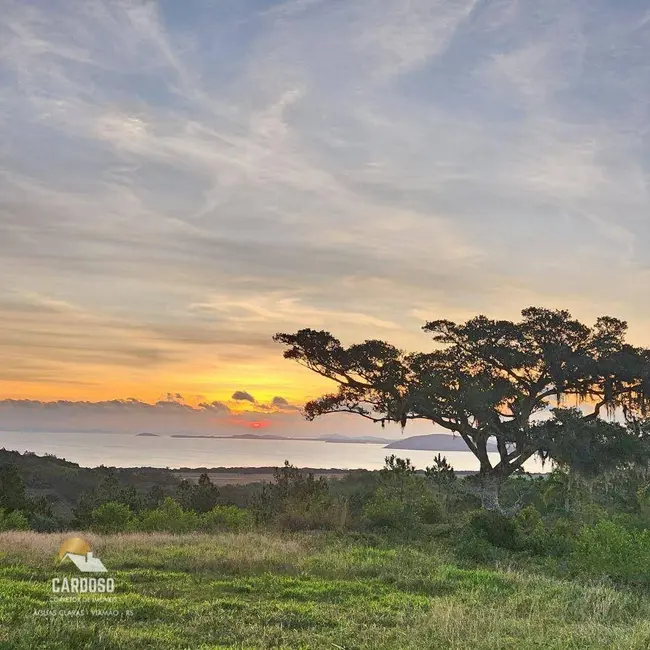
(434, 442)
(335, 437)
(62, 482)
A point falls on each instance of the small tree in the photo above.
(169, 517)
(200, 497)
(206, 495)
(109, 489)
(495, 379)
(397, 473)
(401, 500)
(13, 520)
(292, 491)
(112, 517)
(441, 473)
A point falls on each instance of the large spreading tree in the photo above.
(546, 385)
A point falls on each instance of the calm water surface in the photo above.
(127, 450)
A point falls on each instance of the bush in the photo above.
(294, 522)
(541, 538)
(608, 549)
(495, 528)
(44, 523)
(292, 492)
(112, 517)
(14, 520)
(407, 513)
(475, 550)
(430, 510)
(169, 517)
(226, 518)
(324, 514)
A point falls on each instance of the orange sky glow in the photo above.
(168, 206)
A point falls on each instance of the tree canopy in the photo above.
(547, 384)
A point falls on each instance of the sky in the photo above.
(180, 181)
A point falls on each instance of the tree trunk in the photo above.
(489, 493)
(487, 488)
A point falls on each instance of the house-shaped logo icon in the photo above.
(87, 563)
(77, 550)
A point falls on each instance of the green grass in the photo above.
(254, 590)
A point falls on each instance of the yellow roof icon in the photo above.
(76, 545)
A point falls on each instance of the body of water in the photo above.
(127, 450)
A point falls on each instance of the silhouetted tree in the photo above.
(441, 472)
(200, 497)
(496, 379)
(206, 494)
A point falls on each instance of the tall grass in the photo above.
(258, 590)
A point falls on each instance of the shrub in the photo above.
(324, 514)
(169, 517)
(112, 517)
(608, 549)
(495, 528)
(541, 538)
(629, 521)
(292, 494)
(643, 503)
(226, 518)
(41, 523)
(293, 522)
(14, 520)
(429, 510)
(12, 488)
(405, 512)
(475, 550)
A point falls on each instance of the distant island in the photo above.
(244, 436)
(146, 434)
(430, 442)
(434, 442)
(367, 440)
(335, 438)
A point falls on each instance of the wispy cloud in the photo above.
(177, 186)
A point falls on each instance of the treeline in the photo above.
(62, 488)
(560, 522)
(112, 506)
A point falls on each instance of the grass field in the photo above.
(253, 590)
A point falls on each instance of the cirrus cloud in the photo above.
(175, 187)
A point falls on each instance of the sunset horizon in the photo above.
(324, 324)
(178, 186)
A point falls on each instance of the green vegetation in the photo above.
(392, 559)
(565, 523)
(278, 590)
(398, 558)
